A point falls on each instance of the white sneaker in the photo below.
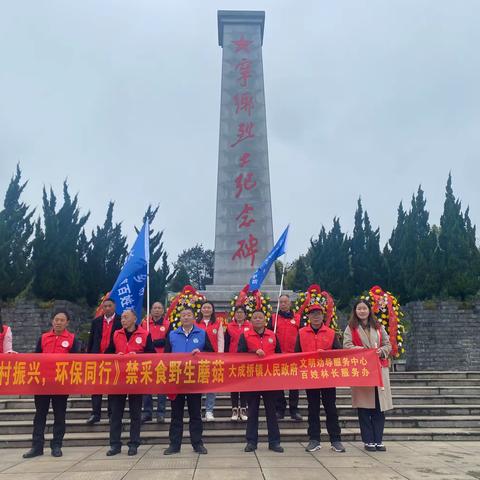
(234, 414)
(243, 415)
(209, 417)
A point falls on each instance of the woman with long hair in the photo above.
(207, 321)
(364, 331)
(5, 338)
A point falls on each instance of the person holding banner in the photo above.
(131, 339)
(207, 321)
(158, 326)
(188, 338)
(59, 341)
(99, 339)
(317, 336)
(263, 342)
(286, 325)
(364, 331)
(235, 328)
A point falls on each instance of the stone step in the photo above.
(435, 374)
(224, 411)
(233, 435)
(79, 426)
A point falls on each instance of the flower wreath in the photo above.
(188, 297)
(251, 300)
(387, 309)
(313, 296)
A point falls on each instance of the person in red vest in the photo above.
(263, 342)
(59, 341)
(286, 325)
(365, 331)
(101, 335)
(6, 343)
(317, 336)
(129, 340)
(235, 328)
(158, 326)
(207, 321)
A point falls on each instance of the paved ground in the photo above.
(403, 460)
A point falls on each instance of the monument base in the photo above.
(221, 295)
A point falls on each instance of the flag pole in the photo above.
(279, 295)
(147, 247)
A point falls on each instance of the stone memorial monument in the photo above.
(244, 228)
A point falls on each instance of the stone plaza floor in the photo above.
(403, 460)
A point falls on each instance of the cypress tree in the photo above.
(105, 257)
(59, 249)
(16, 228)
(458, 255)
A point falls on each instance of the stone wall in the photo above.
(28, 319)
(443, 336)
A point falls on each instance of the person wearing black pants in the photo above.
(188, 338)
(100, 338)
(129, 340)
(60, 341)
(372, 423)
(195, 425)
(312, 338)
(263, 342)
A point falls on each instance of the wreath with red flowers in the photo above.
(251, 300)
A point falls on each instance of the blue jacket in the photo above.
(178, 342)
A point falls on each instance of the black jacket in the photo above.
(95, 338)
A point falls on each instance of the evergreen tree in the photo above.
(458, 255)
(299, 279)
(59, 249)
(374, 258)
(358, 256)
(180, 279)
(16, 228)
(160, 274)
(105, 257)
(198, 262)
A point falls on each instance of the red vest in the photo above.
(137, 342)
(234, 331)
(2, 337)
(106, 334)
(287, 330)
(357, 341)
(53, 343)
(267, 342)
(157, 332)
(311, 341)
(212, 331)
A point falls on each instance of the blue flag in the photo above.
(130, 285)
(278, 250)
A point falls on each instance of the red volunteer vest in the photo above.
(106, 334)
(357, 341)
(53, 343)
(267, 342)
(234, 331)
(287, 330)
(212, 331)
(311, 341)
(2, 337)
(137, 342)
(157, 332)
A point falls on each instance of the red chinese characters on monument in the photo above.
(244, 183)
(246, 216)
(244, 68)
(243, 103)
(247, 248)
(245, 131)
(244, 159)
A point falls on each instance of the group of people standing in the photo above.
(114, 334)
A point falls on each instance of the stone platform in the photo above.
(402, 461)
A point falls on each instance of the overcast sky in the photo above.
(364, 98)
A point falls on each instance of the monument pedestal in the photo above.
(221, 295)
